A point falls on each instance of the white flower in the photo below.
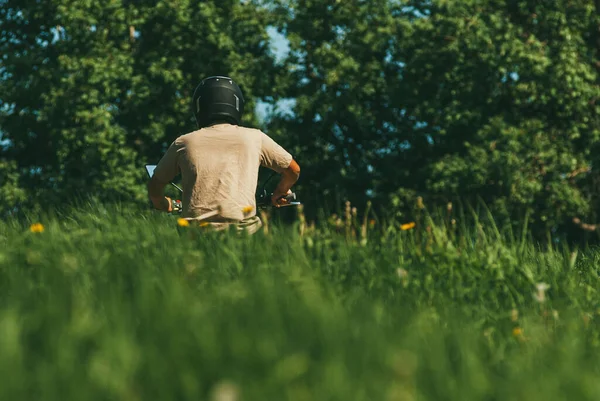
(540, 295)
(403, 274)
(225, 391)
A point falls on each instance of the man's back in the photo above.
(219, 166)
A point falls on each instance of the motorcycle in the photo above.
(263, 200)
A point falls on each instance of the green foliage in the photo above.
(9, 187)
(492, 100)
(64, 72)
(111, 303)
(508, 94)
(90, 91)
(344, 124)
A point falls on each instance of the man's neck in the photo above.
(219, 122)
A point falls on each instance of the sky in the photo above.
(279, 43)
(280, 47)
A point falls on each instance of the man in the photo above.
(219, 162)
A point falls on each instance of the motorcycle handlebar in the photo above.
(263, 201)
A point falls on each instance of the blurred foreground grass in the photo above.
(124, 305)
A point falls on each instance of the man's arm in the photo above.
(289, 176)
(164, 172)
(156, 194)
(276, 158)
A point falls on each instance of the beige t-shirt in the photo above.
(219, 168)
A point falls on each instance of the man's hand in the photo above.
(278, 199)
(155, 193)
(164, 204)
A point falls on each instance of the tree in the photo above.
(175, 46)
(491, 100)
(92, 90)
(506, 90)
(64, 66)
(345, 126)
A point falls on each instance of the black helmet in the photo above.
(218, 99)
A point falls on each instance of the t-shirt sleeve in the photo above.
(168, 166)
(272, 155)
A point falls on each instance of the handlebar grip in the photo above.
(265, 199)
(176, 206)
(290, 197)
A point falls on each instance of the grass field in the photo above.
(125, 305)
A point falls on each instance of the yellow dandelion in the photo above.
(408, 226)
(37, 228)
(182, 222)
(248, 209)
(517, 332)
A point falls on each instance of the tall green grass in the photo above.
(114, 304)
